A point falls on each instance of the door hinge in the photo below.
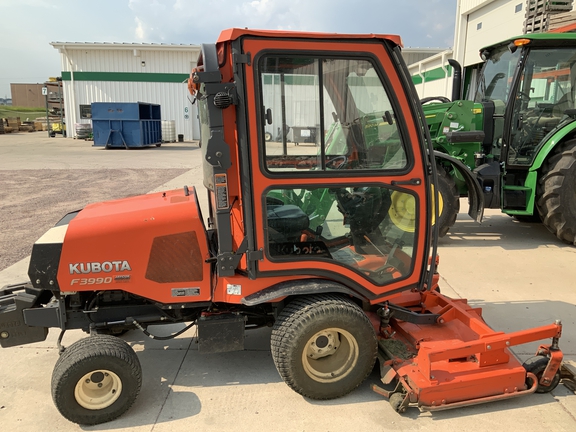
(242, 58)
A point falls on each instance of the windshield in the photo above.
(543, 101)
(496, 77)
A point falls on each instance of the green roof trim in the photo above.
(126, 77)
(432, 75)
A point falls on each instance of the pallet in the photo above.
(561, 20)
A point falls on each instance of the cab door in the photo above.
(338, 178)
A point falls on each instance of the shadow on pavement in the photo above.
(499, 230)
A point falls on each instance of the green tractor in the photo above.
(518, 136)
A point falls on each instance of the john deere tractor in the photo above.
(518, 135)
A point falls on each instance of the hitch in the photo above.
(14, 300)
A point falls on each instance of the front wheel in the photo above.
(323, 346)
(449, 201)
(557, 193)
(96, 380)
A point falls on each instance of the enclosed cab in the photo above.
(328, 240)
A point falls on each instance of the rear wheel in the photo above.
(323, 346)
(557, 192)
(449, 201)
(96, 380)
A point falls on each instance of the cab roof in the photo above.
(235, 33)
(540, 39)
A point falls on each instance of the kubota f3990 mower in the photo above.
(331, 242)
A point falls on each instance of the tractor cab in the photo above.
(351, 201)
(530, 83)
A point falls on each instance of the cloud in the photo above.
(196, 21)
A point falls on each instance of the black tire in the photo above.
(158, 145)
(536, 365)
(267, 136)
(323, 346)
(96, 380)
(557, 192)
(449, 199)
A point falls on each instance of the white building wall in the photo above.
(431, 76)
(494, 22)
(498, 19)
(173, 97)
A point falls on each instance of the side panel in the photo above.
(153, 246)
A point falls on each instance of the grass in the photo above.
(23, 112)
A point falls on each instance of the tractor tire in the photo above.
(96, 380)
(536, 365)
(449, 201)
(323, 346)
(557, 193)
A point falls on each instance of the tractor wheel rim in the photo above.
(330, 355)
(98, 389)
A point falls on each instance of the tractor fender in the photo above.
(297, 287)
(475, 194)
(551, 143)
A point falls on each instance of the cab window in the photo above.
(324, 114)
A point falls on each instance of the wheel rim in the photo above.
(330, 355)
(403, 209)
(98, 389)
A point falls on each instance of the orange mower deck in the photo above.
(455, 359)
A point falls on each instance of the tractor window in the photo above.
(544, 98)
(368, 228)
(323, 114)
(496, 78)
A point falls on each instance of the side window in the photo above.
(369, 228)
(324, 114)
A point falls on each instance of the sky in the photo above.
(28, 26)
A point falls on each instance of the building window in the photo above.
(478, 26)
(518, 8)
(85, 111)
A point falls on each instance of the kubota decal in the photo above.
(96, 267)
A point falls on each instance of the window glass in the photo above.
(325, 114)
(369, 229)
(544, 98)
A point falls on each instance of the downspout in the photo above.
(445, 69)
(71, 109)
(422, 78)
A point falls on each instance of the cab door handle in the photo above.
(411, 182)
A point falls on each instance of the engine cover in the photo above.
(154, 246)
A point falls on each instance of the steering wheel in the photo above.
(337, 162)
(524, 97)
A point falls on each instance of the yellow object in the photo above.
(403, 210)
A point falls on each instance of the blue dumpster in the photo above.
(126, 125)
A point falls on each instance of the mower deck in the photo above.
(443, 355)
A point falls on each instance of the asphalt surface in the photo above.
(518, 273)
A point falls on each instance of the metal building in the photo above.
(129, 72)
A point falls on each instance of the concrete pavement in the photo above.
(517, 272)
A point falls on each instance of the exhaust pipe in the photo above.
(456, 80)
